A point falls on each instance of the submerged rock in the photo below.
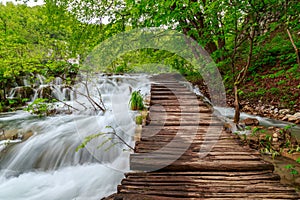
(284, 111)
(14, 134)
(251, 122)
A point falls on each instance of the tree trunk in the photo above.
(221, 45)
(236, 118)
(211, 47)
(240, 78)
(295, 47)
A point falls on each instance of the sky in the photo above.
(30, 2)
(105, 19)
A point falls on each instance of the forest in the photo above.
(254, 45)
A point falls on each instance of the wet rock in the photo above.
(247, 108)
(271, 140)
(14, 134)
(45, 92)
(251, 122)
(284, 111)
(286, 117)
(9, 134)
(22, 92)
(27, 135)
(292, 118)
(227, 127)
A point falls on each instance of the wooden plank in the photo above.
(170, 142)
(198, 173)
(175, 102)
(186, 123)
(182, 109)
(212, 188)
(172, 92)
(187, 194)
(195, 117)
(178, 165)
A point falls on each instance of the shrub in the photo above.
(136, 101)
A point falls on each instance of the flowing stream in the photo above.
(228, 113)
(263, 121)
(47, 166)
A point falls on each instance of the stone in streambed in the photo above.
(14, 134)
(295, 118)
(284, 111)
(9, 134)
(251, 122)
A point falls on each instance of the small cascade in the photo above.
(40, 89)
(47, 166)
(21, 92)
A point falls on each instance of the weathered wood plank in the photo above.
(170, 143)
(175, 102)
(178, 165)
(212, 188)
(197, 173)
(186, 194)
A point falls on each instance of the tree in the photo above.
(41, 40)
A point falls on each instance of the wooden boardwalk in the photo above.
(183, 153)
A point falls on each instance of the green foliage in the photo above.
(40, 107)
(110, 136)
(261, 92)
(288, 127)
(87, 139)
(136, 101)
(274, 91)
(139, 120)
(294, 149)
(292, 169)
(41, 40)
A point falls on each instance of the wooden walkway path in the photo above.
(183, 153)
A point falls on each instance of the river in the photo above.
(47, 166)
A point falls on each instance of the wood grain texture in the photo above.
(177, 131)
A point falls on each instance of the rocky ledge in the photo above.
(283, 114)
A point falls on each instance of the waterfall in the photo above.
(46, 166)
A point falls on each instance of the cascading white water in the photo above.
(46, 165)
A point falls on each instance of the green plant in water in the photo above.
(12, 101)
(139, 120)
(25, 100)
(136, 101)
(288, 127)
(40, 107)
